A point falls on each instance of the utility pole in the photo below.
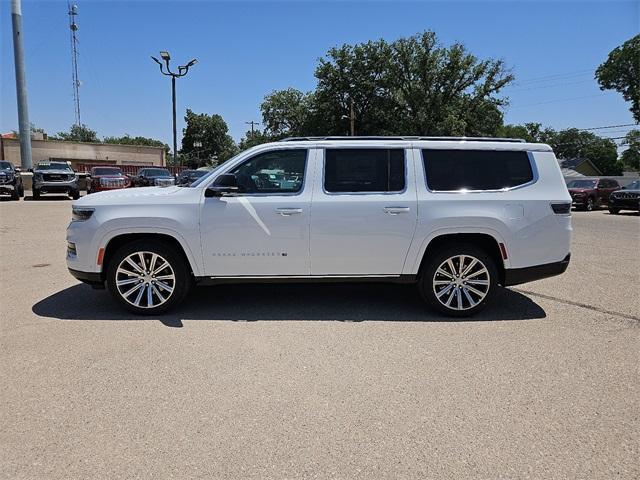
(352, 117)
(252, 123)
(21, 86)
(182, 71)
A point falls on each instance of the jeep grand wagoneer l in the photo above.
(456, 216)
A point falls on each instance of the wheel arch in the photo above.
(118, 240)
(488, 242)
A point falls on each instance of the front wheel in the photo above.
(75, 194)
(614, 211)
(459, 280)
(36, 194)
(148, 277)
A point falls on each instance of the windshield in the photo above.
(5, 166)
(53, 166)
(157, 172)
(582, 184)
(106, 171)
(633, 185)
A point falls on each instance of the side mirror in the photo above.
(30, 170)
(225, 184)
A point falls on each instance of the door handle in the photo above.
(286, 212)
(396, 210)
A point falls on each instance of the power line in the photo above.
(611, 126)
(557, 76)
(559, 100)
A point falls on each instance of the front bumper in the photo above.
(90, 278)
(517, 276)
(56, 187)
(7, 188)
(625, 203)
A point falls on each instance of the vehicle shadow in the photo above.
(307, 302)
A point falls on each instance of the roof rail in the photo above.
(382, 138)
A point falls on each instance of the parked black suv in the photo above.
(153, 177)
(10, 181)
(627, 198)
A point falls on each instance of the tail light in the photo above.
(563, 208)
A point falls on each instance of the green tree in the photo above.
(574, 143)
(78, 133)
(621, 72)
(630, 158)
(288, 113)
(126, 139)
(206, 139)
(412, 86)
(530, 132)
(251, 139)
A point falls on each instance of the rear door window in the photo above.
(452, 170)
(349, 170)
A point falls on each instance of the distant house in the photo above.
(578, 167)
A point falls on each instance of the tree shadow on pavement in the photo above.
(268, 302)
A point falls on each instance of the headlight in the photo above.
(79, 214)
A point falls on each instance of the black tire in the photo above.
(36, 194)
(614, 211)
(428, 288)
(15, 194)
(178, 266)
(75, 194)
(589, 207)
(21, 193)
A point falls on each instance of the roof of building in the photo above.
(571, 164)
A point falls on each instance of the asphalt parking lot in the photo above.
(319, 381)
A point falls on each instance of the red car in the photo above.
(590, 193)
(106, 178)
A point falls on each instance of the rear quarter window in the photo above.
(452, 170)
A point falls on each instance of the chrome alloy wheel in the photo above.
(145, 279)
(461, 282)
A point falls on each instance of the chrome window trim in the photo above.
(271, 194)
(532, 163)
(359, 147)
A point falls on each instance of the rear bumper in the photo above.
(90, 278)
(516, 276)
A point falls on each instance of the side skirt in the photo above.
(308, 279)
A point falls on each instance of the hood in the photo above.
(115, 175)
(54, 172)
(128, 196)
(627, 190)
(580, 190)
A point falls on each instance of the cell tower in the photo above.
(73, 28)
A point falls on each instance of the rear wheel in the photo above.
(148, 277)
(36, 194)
(614, 211)
(21, 192)
(459, 280)
(590, 204)
(15, 194)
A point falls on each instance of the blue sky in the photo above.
(248, 49)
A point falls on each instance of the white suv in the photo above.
(456, 216)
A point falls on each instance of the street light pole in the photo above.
(21, 86)
(182, 71)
